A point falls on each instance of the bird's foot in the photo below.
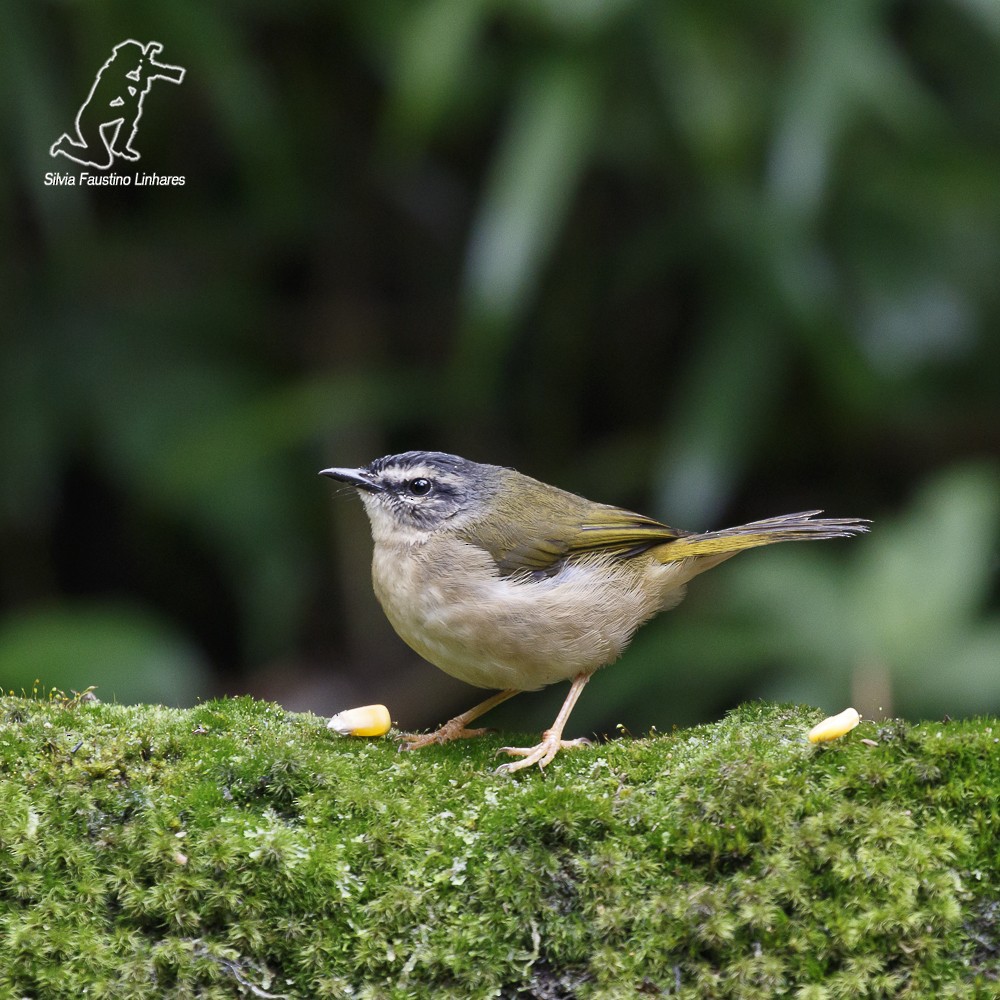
(447, 733)
(542, 754)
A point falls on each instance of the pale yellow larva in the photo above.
(834, 726)
(369, 720)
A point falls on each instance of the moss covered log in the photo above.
(239, 850)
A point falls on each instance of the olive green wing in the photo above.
(545, 541)
(548, 535)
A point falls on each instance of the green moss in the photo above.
(239, 850)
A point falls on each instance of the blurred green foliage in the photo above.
(127, 649)
(711, 261)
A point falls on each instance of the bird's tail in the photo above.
(803, 527)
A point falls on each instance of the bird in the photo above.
(510, 584)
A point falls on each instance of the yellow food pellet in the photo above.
(834, 726)
(369, 720)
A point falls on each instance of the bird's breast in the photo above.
(446, 600)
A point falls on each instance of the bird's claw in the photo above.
(447, 733)
(542, 754)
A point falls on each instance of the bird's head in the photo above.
(410, 496)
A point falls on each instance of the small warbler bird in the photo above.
(508, 583)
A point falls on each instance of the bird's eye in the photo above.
(419, 487)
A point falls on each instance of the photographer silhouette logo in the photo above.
(108, 121)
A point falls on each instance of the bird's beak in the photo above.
(359, 478)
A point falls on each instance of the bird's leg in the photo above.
(454, 729)
(552, 741)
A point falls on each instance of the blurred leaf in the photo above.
(435, 52)
(920, 582)
(572, 18)
(965, 680)
(716, 92)
(844, 58)
(910, 598)
(129, 654)
(986, 11)
(716, 414)
(531, 184)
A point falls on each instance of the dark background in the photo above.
(711, 261)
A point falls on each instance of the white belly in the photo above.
(503, 632)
